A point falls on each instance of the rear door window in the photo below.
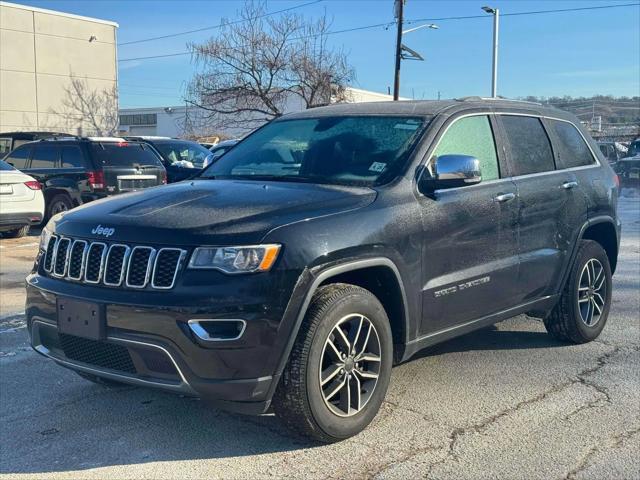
(18, 158)
(124, 155)
(45, 156)
(71, 157)
(529, 145)
(571, 148)
(472, 136)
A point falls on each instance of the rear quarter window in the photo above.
(124, 155)
(529, 145)
(571, 149)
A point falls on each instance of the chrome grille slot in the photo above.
(95, 262)
(139, 266)
(116, 262)
(60, 262)
(166, 266)
(76, 259)
(51, 253)
(113, 265)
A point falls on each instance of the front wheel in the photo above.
(340, 366)
(583, 308)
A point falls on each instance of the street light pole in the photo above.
(496, 25)
(399, 15)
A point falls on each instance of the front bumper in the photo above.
(159, 348)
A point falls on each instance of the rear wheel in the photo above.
(583, 308)
(57, 204)
(17, 232)
(340, 366)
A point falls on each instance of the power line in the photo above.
(214, 27)
(387, 24)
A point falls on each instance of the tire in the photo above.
(58, 203)
(16, 233)
(300, 401)
(570, 320)
(101, 381)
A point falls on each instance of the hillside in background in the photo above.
(601, 113)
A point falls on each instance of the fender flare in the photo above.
(588, 223)
(326, 272)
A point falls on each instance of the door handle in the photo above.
(505, 197)
(569, 185)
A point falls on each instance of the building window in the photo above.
(139, 119)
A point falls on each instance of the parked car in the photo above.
(181, 158)
(74, 170)
(327, 246)
(11, 140)
(21, 202)
(610, 152)
(220, 149)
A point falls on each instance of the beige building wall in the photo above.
(45, 58)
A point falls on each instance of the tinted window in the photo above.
(44, 156)
(5, 146)
(338, 150)
(124, 154)
(18, 158)
(72, 157)
(530, 147)
(572, 149)
(472, 136)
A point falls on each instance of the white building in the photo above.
(46, 58)
(181, 121)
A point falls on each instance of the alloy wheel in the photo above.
(350, 365)
(592, 290)
(58, 207)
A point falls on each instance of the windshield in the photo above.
(338, 150)
(183, 154)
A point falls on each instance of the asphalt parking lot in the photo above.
(505, 402)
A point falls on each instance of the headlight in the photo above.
(44, 239)
(256, 258)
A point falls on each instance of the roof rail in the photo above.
(59, 138)
(501, 99)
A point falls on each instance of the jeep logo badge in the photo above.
(105, 231)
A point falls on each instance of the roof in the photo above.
(427, 107)
(59, 14)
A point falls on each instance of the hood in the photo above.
(207, 212)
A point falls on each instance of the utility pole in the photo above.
(399, 7)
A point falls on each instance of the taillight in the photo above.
(96, 179)
(616, 179)
(163, 178)
(33, 185)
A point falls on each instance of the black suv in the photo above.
(327, 246)
(74, 171)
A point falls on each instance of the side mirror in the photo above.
(451, 171)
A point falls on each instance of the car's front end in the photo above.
(175, 288)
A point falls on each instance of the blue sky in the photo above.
(573, 53)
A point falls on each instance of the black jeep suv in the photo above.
(75, 170)
(327, 246)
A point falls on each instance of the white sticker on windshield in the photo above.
(406, 126)
(377, 167)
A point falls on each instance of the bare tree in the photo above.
(260, 63)
(84, 108)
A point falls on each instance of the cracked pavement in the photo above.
(504, 402)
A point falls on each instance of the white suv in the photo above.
(21, 202)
